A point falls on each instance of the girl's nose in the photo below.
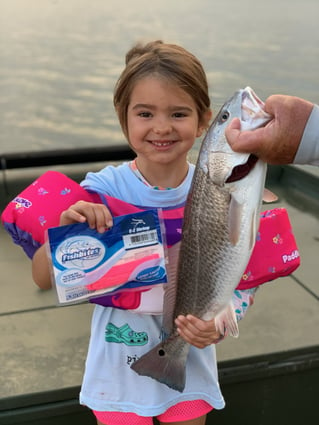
(162, 127)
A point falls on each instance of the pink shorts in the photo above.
(183, 411)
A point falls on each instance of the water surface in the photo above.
(60, 59)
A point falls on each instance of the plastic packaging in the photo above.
(129, 256)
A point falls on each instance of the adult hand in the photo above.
(278, 141)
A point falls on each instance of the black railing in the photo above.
(65, 156)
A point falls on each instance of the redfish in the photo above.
(221, 221)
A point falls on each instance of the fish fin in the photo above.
(167, 368)
(269, 196)
(255, 222)
(234, 220)
(170, 289)
(226, 322)
(253, 231)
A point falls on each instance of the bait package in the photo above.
(130, 256)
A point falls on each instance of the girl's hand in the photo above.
(96, 215)
(198, 332)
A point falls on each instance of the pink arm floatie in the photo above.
(39, 207)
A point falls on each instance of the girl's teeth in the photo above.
(162, 144)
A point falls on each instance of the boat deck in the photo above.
(43, 346)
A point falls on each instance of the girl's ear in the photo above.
(204, 124)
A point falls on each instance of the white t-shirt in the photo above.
(118, 337)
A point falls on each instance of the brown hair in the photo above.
(166, 60)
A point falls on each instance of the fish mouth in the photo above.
(242, 170)
(253, 114)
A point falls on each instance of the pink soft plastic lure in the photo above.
(120, 274)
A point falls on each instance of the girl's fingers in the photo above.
(100, 218)
(197, 332)
(71, 216)
(96, 215)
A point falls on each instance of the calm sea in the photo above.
(60, 59)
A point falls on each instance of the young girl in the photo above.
(162, 103)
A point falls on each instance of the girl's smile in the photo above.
(162, 144)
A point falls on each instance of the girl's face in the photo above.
(162, 122)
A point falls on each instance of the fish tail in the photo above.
(166, 367)
(226, 322)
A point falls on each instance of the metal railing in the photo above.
(65, 156)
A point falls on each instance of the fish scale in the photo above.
(221, 219)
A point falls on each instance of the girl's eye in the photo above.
(179, 115)
(144, 114)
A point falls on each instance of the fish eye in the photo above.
(224, 116)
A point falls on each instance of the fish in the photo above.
(221, 220)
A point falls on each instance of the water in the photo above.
(60, 59)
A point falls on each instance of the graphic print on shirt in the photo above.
(124, 335)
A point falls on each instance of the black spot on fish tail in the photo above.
(241, 171)
(165, 368)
